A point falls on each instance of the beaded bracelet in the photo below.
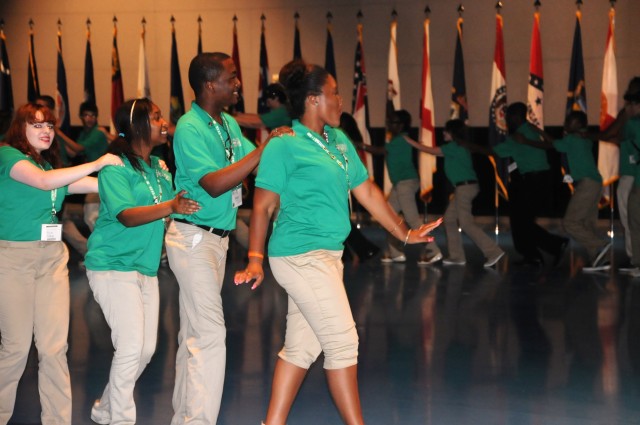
(396, 226)
(255, 254)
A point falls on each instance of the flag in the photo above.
(426, 162)
(608, 153)
(576, 94)
(393, 89)
(263, 81)
(360, 103)
(176, 102)
(535, 92)
(200, 34)
(143, 90)
(329, 58)
(117, 94)
(62, 98)
(498, 109)
(6, 89)
(297, 50)
(235, 55)
(459, 105)
(89, 85)
(33, 86)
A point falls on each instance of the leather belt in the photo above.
(220, 232)
(462, 183)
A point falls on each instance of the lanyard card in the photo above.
(236, 197)
(51, 232)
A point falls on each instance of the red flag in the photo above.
(427, 162)
(535, 93)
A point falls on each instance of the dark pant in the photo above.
(526, 192)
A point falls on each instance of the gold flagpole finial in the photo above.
(394, 14)
(499, 6)
(59, 24)
(359, 16)
(31, 24)
(329, 17)
(579, 4)
(427, 11)
(613, 4)
(115, 21)
(234, 19)
(296, 16)
(460, 10)
(537, 4)
(88, 23)
(1, 24)
(200, 19)
(143, 22)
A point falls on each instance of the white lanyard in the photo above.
(54, 196)
(227, 149)
(156, 199)
(344, 166)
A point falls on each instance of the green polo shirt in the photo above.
(95, 143)
(23, 208)
(528, 158)
(112, 245)
(400, 159)
(580, 156)
(313, 189)
(199, 148)
(632, 135)
(458, 166)
(276, 118)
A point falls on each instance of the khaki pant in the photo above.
(634, 224)
(34, 303)
(581, 218)
(198, 258)
(625, 184)
(459, 213)
(402, 198)
(319, 317)
(130, 302)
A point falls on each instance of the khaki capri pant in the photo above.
(319, 318)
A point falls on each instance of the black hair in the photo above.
(48, 100)
(88, 107)
(204, 68)
(349, 125)
(457, 129)
(633, 91)
(516, 116)
(404, 117)
(276, 91)
(576, 122)
(132, 125)
(301, 80)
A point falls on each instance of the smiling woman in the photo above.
(34, 281)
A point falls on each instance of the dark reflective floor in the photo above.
(438, 345)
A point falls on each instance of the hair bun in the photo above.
(292, 75)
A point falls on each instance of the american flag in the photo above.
(360, 103)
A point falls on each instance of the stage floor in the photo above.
(438, 345)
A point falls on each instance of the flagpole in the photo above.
(611, 191)
(496, 194)
(427, 15)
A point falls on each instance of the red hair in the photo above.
(16, 136)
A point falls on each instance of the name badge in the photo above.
(236, 197)
(512, 167)
(51, 232)
(632, 160)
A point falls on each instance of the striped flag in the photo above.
(176, 98)
(609, 153)
(235, 55)
(297, 50)
(33, 85)
(576, 93)
(89, 84)
(117, 93)
(143, 90)
(62, 98)
(6, 89)
(498, 110)
(393, 88)
(426, 162)
(535, 92)
(360, 103)
(459, 105)
(329, 57)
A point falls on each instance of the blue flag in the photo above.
(263, 79)
(176, 104)
(89, 84)
(297, 50)
(33, 85)
(459, 105)
(576, 93)
(6, 90)
(329, 57)
(62, 98)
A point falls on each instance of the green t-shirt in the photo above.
(112, 245)
(94, 142)
(528, 158)
(580, 156)
(632, 135)
(400, 160)
(276, 118)
(64, 156)
(201, 146)
(23, 208)
(313, 189)
(458, 166)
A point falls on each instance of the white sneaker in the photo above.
(99, 415)
(600, 268)
(426, 260)
(492, 261)
(388, 260)
(450, 262)
(635, 273)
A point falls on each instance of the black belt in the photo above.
(462, 183)
(220, 232)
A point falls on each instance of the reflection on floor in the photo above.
(438, 345)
